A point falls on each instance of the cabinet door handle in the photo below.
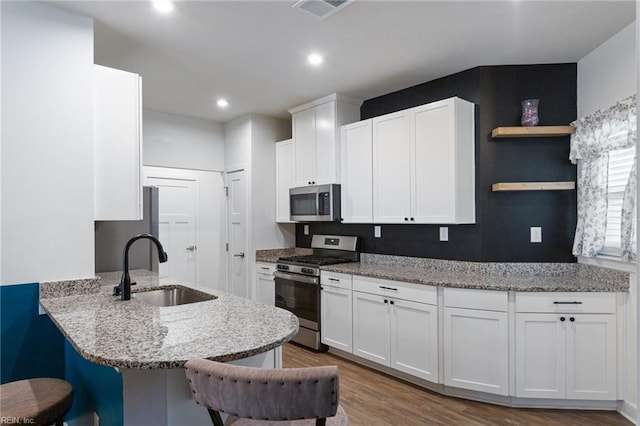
(241, 254)
(391, 302)
(572, 319)
(562, 319)
(412, 219)
(567, 303)
(388, 288)
(386, 301)
(406, 219)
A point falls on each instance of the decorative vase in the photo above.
(529, 112)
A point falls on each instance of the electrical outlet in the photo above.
(536, 234)
(444, 233)
(377, 231)
(306, 230)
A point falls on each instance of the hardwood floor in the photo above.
(373, 398)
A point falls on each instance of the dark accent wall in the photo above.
(503, 219)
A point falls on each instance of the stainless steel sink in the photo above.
(173, 296)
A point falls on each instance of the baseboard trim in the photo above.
(628, 410)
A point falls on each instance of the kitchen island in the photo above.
(149, 345)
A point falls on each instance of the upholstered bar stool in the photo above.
(262, 396)
(41, 402)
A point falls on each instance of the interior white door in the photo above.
(176, 235)
(237, 206)
(178, 199)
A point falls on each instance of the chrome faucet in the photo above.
(125, 282)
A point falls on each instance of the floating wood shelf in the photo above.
(532, 132)
(532, 186)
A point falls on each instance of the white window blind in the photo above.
(620, 163)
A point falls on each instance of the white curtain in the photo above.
(595, 136)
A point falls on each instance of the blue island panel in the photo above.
(31, 344)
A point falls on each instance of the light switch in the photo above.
(306, 230)
(536, 234)
(377, 231)
(444, 233)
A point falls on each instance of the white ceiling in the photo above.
(254, 52)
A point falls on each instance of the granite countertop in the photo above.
(569, 277)
(134, 334)
(272, 255)
(565, 282)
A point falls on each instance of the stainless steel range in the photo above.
(297, 281)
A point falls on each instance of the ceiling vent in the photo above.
(322, 8)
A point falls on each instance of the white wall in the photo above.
(266, 232)
(47, 153)
(237, 143)
(605, 76)
(608, 73)
(171, 140)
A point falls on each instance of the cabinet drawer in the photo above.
(265, 268)
(399, 290)
(335, 279)
(593, 303)
(487, 300)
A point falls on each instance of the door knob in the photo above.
(192, 248)
(241, 254)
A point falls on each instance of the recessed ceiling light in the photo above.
(163, 6)
(222, 103)
(315, 59)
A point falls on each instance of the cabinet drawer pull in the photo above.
(567, 303)
(388, 288)
(333, 279)
(266, 268)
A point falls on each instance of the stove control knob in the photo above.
(306, 270)
(283, 267)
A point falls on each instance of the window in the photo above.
(620, 163)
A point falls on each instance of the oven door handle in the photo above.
(294, 277)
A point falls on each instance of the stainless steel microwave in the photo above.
(315, 203)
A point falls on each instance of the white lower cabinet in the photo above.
(476, 340)
(566, 346)
(335, 311)
(393, 331)
(265, 284)
(565, 343)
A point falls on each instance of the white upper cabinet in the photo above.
(284, 179)
(443, 163)
(392, 168)
(424, 164)
(117, 140)
(356, 173)
(316, 138)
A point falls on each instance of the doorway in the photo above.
(192, 223)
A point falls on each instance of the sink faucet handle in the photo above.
(116, 290)
(133, 283)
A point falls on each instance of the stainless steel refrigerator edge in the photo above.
(112, 235)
